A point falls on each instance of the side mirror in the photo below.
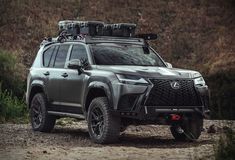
(168, 65)
(76, 64)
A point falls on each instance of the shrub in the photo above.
(12, 84)
(12, 75)
(12, 108)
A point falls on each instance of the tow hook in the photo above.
(175, 117)
(179, 130)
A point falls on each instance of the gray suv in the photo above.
(113, 82)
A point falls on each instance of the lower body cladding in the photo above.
(159, 102)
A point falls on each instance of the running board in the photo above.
(63, 114)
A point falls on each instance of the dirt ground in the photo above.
(71, 141)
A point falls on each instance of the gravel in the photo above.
(71, 141)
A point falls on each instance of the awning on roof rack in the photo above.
(149, 36)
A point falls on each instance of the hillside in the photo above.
(191, 33)
(194, 34)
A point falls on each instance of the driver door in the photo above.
(73, 85)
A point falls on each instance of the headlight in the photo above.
(196, 75)
(131, 79)
(199, 81)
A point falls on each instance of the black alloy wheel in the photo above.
(103, 126)
(36, 113)
(40, 119)
(97, 122)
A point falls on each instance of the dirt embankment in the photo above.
(18, 141)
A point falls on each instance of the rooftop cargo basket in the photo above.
(74, 28)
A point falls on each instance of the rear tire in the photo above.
(191, 129)
(103, 127)
(40, 119)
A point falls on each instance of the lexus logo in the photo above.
(175, 85)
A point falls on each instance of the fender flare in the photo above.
(35, 83)
(99, 85)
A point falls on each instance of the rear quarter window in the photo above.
(47, 56)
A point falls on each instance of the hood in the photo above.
(149, 71)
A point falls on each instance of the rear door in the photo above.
(56, 73)
(46, 70)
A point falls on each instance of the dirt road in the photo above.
(18, 141)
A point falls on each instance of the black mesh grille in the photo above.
(162, 94)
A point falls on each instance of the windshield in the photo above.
(122, 54)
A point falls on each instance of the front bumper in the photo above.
(132, 103)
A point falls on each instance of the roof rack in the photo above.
(91, 31)
(150, 36)
(109, 39)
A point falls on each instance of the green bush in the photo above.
(12, 88)
(11, 108)
(12, 75)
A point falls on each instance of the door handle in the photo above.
(64, 75)
(46, 73)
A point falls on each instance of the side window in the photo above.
(61, 56)
(47, 56)
(79, 52)
(52, 61)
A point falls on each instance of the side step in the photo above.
(64, 114)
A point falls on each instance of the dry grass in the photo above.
(192, 34)
(24, 23)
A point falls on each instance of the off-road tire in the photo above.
(192, 128)
(47, 122)
(111, 123)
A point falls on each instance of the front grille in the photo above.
(162, 94)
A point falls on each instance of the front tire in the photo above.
(40, 119)
(103, 127)
(189, 130)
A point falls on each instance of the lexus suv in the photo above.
(113, 82)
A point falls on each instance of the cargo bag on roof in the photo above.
(123, 29)
(92, 28)
(74, 28)
(107, 30)
(71, 27)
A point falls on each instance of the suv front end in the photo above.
(146, 91)
(147, 97)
